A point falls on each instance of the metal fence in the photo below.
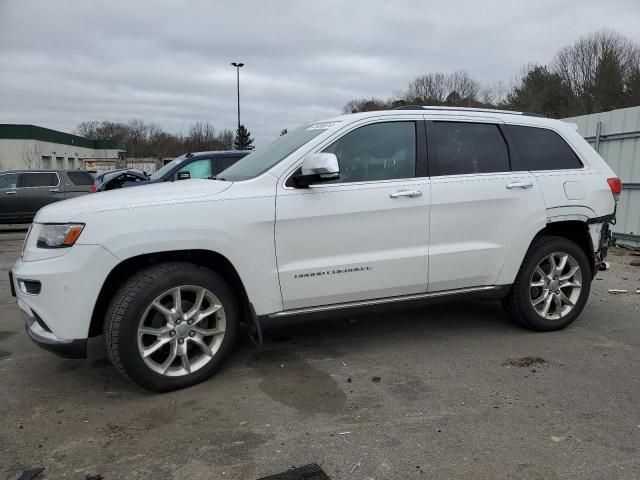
(616, 137)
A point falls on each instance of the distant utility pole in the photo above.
(238, 66)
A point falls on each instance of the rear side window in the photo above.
(80, 178)
(43, 179)
(226, 162)
(541, 149)
(465, 148)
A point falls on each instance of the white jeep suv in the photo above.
(374, 209)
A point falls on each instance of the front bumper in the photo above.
(65, 293)
(45, 339)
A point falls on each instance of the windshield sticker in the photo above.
(322, 126)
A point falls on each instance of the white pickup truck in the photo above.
(375, 209)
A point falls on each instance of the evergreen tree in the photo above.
(632, 89)
(243, 140)
(608, 90)
(542, 91)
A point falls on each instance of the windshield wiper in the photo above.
(213, 177)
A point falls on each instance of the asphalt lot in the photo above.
(447, 403)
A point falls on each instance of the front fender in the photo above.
(240, 229)
(256, 267)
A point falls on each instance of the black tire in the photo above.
(518, 301)
(129, 304)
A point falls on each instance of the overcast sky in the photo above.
(62, 62)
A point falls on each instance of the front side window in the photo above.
(542, 149)
(466, 148)
(44, 179)
(382, 151)
(198, 168)
(9, 180)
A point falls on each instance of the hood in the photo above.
(154, 194)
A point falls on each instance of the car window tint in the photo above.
(542, 149)
(80, 178)
(198, 168)
(382, 151)
(462, 148)
(41, 179)
(9, 180)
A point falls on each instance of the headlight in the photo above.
(59, 235)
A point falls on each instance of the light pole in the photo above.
(238, 66)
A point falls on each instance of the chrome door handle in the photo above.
(11, 193)
(406, 193)
(523, 185)
(54, 190)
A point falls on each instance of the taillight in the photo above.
(615, 184)
(93, 189)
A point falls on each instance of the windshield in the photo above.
(160, 173)
(262, 160)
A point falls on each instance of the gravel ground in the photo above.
(450, 391)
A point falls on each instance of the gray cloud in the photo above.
(62, 62)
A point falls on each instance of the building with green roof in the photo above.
(33, 147)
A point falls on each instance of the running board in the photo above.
(492, 289)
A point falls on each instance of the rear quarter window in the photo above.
(541, 149)
(80, 178)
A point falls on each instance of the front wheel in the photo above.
(171, 325)
(552, 286)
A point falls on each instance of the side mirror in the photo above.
(183, 175)
(317, 168)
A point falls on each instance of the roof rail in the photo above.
(409, 107)
(466, 109)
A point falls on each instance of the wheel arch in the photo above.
(575, 230)
(207, 258)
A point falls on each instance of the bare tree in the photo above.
(365, 105)
(464, 85)
(31, 155)
(495, 94)
(429, 88)
(457, 88)
(600, 71)
(226, 139)
(592, 66)
(149, 139)
(87, 129)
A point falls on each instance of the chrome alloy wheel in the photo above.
(555, 285)
(181, 330)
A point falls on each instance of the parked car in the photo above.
(187, 166)
(112, 179)
(197, 165)
(24, 192)
(370, 210)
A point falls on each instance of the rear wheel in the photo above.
(171, 325)
(552, 286)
